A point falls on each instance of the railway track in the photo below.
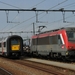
(4, 72)
(69, 70)
(39, 67)
(31, 67)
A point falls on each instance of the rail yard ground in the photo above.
(54, 63)
(27, 67)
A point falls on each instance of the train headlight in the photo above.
(67, 53)
(63, 46)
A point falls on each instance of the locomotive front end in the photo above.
(15, 46)
(71, 43)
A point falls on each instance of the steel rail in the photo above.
(4, 72)
(50, 71)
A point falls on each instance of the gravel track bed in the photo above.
(56, 68)
(19, 69)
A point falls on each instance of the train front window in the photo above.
(71, 36)
(14, 42)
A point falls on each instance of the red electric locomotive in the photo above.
(59, 43)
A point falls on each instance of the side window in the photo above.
(43, 41)
(34, 41)
(54, 39)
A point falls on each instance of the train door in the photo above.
(59, 46)
(56, 43)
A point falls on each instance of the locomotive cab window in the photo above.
(71, 36)
(55, 39)
(15, 42)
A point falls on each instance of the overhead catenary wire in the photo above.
(61, 20)
(38, 3)
(41, 10)
(68, 5)
(19, 7)
(33, 6)
(8, 4)
(54, 7)
(23, 21)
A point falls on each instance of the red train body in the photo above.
(58, 43)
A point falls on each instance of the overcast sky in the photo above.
(23, 20)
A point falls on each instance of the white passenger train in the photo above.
(11, 46)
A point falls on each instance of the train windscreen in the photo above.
(15, 44)
(71, 36)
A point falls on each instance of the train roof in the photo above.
(66, 28)
(5, 38)
(53, 32)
